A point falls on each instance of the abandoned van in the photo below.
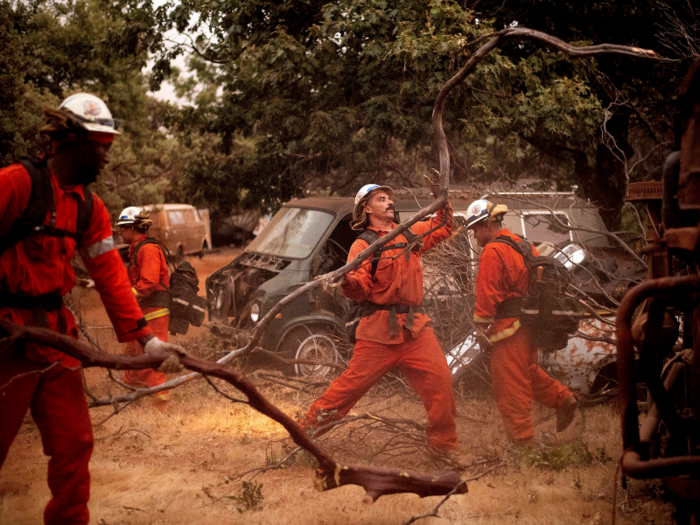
(182, 228)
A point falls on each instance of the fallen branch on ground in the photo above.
(376, 481)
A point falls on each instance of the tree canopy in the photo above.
(52, 49)
(330, 95)
(295, 97)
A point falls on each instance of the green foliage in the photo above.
(311, 96)
(560, 456)
(249, 497)
(336, 94)
(639, 93)
(51, 49)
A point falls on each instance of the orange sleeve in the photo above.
(149, 263)
(111, 280)
(434, 238)
(14, 197)
(490, 289)
(358, 283)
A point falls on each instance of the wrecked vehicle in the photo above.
(602, 270)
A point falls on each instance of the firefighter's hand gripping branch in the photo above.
(328, 286)
(433, 184)
(484, 342)
(172, 363)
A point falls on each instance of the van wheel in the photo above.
(316, 343)
(179, 255)
(204, 248)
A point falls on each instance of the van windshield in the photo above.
(292, 232)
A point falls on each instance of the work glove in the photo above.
(485, 343)
(330, 287)
(433, 183)
(172, 363)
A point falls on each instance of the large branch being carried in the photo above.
(376, 481)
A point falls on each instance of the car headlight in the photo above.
(255, 312)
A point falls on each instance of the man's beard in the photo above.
(87, 176)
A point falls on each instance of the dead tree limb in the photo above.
(376, 481)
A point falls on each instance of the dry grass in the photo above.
(166, 467)
(183, 465)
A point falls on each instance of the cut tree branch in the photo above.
(376, 481)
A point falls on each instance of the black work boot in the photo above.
(566, 413)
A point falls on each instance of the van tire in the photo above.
(179, 255)
(205, 247)
(316, 342)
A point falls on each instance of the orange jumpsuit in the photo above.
(146, 276)
(516, 378)
(414, 351)
(41, 378)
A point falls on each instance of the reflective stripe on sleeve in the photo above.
(158, 313)
(485, 320)
(506, 332)
(98, 248)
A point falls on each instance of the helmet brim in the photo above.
(476, 221)
(99, 128)
(386, 189)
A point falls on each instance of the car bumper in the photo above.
(237, 336)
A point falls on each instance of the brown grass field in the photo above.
(187, 463)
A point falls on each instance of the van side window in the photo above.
(176, 217)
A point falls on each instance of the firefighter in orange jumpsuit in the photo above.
(148, 274)
(516, 377)
(393, 332)
(35, 273)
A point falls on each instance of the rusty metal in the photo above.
(670, 289)
(644, 191)
(683, 238)
(636, 467)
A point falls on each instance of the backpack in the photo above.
(355, 311)
(186, 307)
(41, 200)
(546, 309)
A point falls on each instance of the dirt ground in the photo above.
(197, 460)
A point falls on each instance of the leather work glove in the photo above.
(484, 343)
(433, 184)
(172, 363)
(331, 288)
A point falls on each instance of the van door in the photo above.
(176, 231)
(189, 230)
(199, 233)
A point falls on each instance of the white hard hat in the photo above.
(92, 113)
(128, 215)
(364, 190)
(483, 209)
